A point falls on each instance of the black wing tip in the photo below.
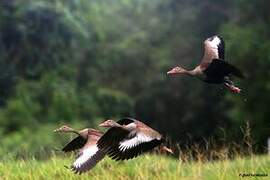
(118, 155)
(241, 74)
(90, 163)
(76, 171)
(67, 149)
(74, 144)
(126, 120)
(221, 38)
(237, 72)
(233, 70)
(216, 36)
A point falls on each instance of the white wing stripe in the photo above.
(86, 154)
(130, 143)
(215, 42)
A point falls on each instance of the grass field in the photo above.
(145, 167)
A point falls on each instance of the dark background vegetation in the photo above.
(80, 62)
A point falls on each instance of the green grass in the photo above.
(145, 167)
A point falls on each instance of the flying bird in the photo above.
(213, 68)
(128, 138)
(89, 154)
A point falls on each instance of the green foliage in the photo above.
(20, 111)
(114, 103)
(249, 49)
(84, 61)
(145, 167)
(39, 142)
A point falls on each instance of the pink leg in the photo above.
(232, 88)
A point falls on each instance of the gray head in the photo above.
(177, 70)
(64, 129)
(108, 124)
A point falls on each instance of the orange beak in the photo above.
(102, 124)
(173, 71)
(170, 72)
(105, 124)
(56, 130)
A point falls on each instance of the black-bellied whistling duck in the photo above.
(89, 154)
(128, 138)
(213, 68)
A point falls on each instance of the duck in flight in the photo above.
(213, 68)
(128, 138)
(125, 139)
(89, 154)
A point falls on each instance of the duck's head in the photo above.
(177, 70)
(108, 123)
(63, 128)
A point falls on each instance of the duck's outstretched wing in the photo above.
(75, 144)
(220, 68)
(214, 48)
(87, 159)
(132, 147)
(112, 138)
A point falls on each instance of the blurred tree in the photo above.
(83, 61)
(249, 48)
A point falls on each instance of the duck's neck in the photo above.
(74, 131)
(195, 72)
(115, 124)
(128, 127)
